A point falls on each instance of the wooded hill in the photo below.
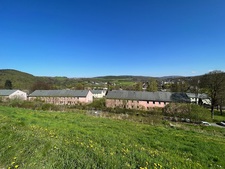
(26, 81)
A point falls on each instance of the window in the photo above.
(147, 102)
(159, 102)
(153, 102)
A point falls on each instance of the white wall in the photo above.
(18, 95)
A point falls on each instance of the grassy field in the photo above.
(38, 139)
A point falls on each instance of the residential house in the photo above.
(199, 98)
(7, 94)
(99, 93)
(142, 99)
(63, 97)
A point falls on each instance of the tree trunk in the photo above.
(212, 112)
(221, 110)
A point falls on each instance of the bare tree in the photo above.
(214, 82)
(40, 85)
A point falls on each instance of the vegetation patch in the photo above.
(187, 111)
(40, 139)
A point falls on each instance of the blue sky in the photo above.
(87, 38)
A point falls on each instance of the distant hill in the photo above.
(25, 81)
(20, 80)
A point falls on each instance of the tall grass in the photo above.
(40, 139)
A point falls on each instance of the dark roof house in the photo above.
(151, 96)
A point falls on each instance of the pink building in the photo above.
(142, 100)
(63, 97)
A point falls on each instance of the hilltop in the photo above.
(26, 81)
(20, 80)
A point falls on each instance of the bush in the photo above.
(190, 111)
(15, 103)
(97, 104)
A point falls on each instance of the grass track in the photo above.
(38, 139)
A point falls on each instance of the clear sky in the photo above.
(87, 38)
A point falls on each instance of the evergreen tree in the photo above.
(8, 84)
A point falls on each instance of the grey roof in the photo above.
(200, 95)
(59, 93)
(6, 92)
(96, 91)
(151, 96)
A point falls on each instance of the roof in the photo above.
(6, 92)
(200, 95)
(59, 93)
(96, 91)
(151, 96)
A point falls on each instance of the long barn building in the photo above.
(63, 97)
(142, 99)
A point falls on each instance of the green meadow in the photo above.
(51, 140)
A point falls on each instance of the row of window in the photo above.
(61, 98)
(133, 101)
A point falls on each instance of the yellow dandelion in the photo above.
(16, 166)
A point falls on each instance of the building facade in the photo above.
(63, 97)
(12, 94)
(98, 93)
(142, 100)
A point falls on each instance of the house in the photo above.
(99, 93)
(200, 98)
(63, 97)
(142, 99)
(7, 94)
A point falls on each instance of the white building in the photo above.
(13, 94)
(99, 93)
(200, 98)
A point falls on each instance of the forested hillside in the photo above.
(24, 81)
(19, 80)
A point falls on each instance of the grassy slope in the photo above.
(36, 139)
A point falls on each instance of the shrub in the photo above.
(15, 102)
(190, 111)
(97, 104)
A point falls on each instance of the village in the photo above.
(141, 100)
